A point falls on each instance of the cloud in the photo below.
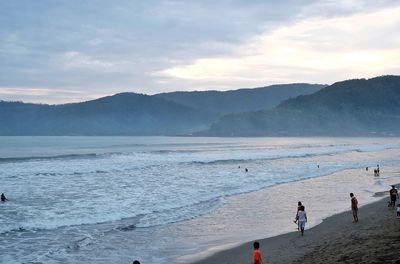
(24, 91)
(312, 50)
(74, 59)
(36, 95)
(157, 46)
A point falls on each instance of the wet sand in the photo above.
(374, 239)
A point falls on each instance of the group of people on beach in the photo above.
(301, 216)
(376, 171)
(300, 219)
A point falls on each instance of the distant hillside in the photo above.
(121, 114)
(242, 100)
(350, 108)
(138, 114)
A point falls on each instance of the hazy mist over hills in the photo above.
(358, 107)
(179, 113)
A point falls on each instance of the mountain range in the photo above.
(360, 107)
(176, 113)
(241, 100)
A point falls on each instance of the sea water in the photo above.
(172, 199)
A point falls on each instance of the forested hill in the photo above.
(121, 114)
(138, 114)
(241, 100)
(360, 107)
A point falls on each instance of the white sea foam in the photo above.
(140, 185)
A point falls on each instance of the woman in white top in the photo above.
(302, 219)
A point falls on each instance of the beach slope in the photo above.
(375, 239)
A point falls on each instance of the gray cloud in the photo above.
(100, 47)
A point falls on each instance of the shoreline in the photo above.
(260, 214)
(375, 239)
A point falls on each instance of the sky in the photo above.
(76, 50)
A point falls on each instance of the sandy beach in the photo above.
(375, 239)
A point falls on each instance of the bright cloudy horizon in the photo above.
(68, 51)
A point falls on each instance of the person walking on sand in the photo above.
(302, 219)
(297, 215)
(354, 207)
(257, 259)
(394, 194)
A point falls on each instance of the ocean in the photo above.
(173, 199)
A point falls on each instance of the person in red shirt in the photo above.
(354, 207)
(257, 259)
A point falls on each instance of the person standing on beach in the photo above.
(257, 259)
(354, 207)
(302, 219)
(393, 196)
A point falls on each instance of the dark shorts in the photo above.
(393, 197)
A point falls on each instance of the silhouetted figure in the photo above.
(393, 196)
(366, 168)
(354, 207)
(318, 166)
(246, 170)
(3, 198)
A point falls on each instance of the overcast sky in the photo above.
(67, 51)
